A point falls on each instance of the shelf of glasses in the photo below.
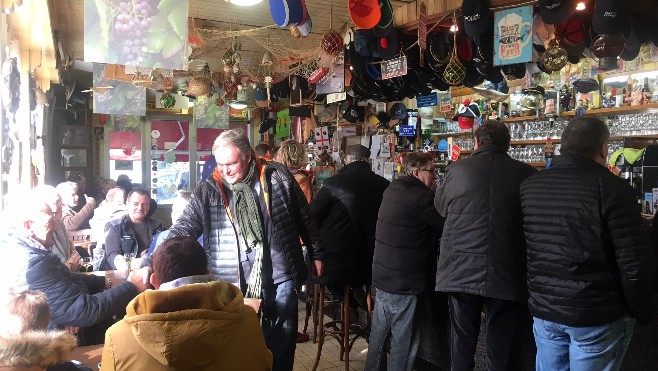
(455, 134)
(532, 141)
(519, 119)
(622, 137)
(645, 108)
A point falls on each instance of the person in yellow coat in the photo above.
(190, 322)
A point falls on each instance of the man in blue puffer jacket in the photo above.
(75, 300)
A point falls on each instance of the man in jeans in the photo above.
(406, 241)
(589, 262)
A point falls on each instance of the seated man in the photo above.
(113, 207)
(24, 341)
(28, 264)
(191, 322)
(133, 233)
(75, 220)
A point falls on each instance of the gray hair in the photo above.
(234, 138)
(116, 194)
(414, 161)
(67, 186)
(352, 158)
(46, 193)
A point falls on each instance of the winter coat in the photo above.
(36, 350)
(201, 326)
(74, 299)
(589, 260)
(482, 246)
(206, 215)
(77, 220)
(406, 240)
(121, 237)
(346, 210)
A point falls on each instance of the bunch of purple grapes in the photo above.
(129, 29)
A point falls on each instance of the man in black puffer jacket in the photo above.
(482, 259)
(406, 244)
(590, 270)
(252, 214)
(346, 211)
(28, 264)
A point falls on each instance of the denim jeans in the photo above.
(279, 310)
(397, 313)
(600, 348)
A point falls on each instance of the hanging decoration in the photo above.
(455, 71)
(167, 100)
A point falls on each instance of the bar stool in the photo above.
(343, 330)
(311, 299)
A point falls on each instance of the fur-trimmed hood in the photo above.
(36, 348)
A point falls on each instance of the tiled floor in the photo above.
(330, 359)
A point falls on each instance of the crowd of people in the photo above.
(558, 257)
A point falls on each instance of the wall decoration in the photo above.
(283, 124)
(124, 99)
(513, 36)
(208, 114)
(137, 32)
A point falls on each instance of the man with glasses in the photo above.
(482, 260)
(251, 214)
(406, 241)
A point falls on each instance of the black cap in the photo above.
(556, 11)
(476, 16)
(351, 114)
(631, 47)
(609, 17)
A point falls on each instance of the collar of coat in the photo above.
(576, 161)
(35, 348)
(356, 167)
(490, 148)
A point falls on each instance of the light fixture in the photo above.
(238, 104)
(454, 28)
(244, 2)
(581, 6)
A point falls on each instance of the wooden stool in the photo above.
(343, 330)
(311, 299)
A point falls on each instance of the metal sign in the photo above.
(394, 67)
(427, 100)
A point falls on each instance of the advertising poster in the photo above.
(513, 36)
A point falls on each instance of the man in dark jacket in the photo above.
(346, 209)
(28, 264)
(406, 243)
(482, 257)
(590, 267)
(133, 233)
(251, 215)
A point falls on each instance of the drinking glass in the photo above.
(128, 257)
(86, 264)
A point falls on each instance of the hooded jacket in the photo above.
(35, 350)
(201, 326)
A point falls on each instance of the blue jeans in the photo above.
(600, 348)
(397, 313)
(279, 311)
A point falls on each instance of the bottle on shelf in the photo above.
(548, 149)
(646, 92)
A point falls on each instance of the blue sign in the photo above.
(427, 100)
(407, 131)
(513, 36)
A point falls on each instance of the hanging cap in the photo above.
(476, 16)
(609, 17)
(556, 11)
(364, 13)
(398, 111)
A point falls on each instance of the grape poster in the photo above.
(145, 33)
(123, 99)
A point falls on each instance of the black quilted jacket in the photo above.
(589, 260)
(206, 214)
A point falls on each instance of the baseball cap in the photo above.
(385, 23)
(476, 16)
(608, 17)
(387, 45)
(364, 13)
(364, 42)
(398, 111)
(351, 114)
(556, 11)
(632, 47)
(286, 12)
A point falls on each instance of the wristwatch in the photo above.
(108, 282)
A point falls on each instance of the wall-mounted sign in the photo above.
(427, 100)
(394, 67)
(513, 36)
(407, 130)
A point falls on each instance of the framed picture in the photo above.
(73, 157)
(322, 173)
(73, 135)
